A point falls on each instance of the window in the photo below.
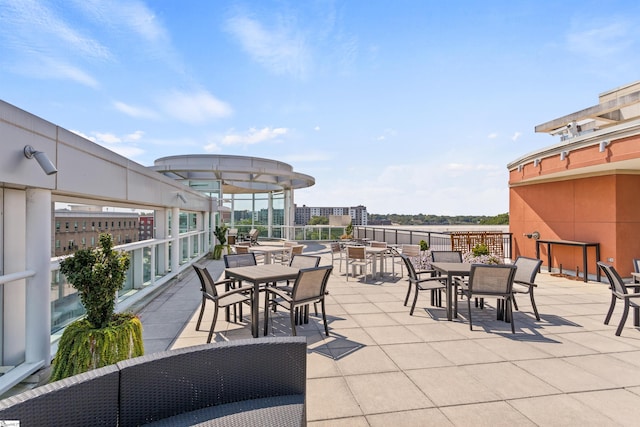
(99, 224)
(57, 225)
(93, 241)
(84, 241)
(57, 244)
(84, 225)
(75, 225)
(66, 225)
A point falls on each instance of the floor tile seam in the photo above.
(568, 394)
(596, 373)
(399, 371)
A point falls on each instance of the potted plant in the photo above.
(348, 231)
(103, 337)
(221, 234)
(480, 254)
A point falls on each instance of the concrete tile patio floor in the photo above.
(381, 366)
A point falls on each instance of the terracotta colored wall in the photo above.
(604, 209)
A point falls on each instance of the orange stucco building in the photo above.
(583, 188)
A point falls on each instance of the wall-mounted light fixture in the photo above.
(181, 197)
(536, 163)
(564, 155)
(535, 235)
(42, 159)
(603, 145)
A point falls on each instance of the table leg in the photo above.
(584, 264)
(449, 299)
(255, 302)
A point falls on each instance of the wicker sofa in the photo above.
(246, 382)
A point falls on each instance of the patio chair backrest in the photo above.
(239, 260)
(375, 244)
(446, 256)
(527, 269)
(289, 244)
(491, 279)
(311, 283)
(297, 250)
(636, 265)
(304, 261)
(335, 247)
(411, 250)
(207, 283)
(356, 252)
(242, 249)
(233, 232)
(411, 271)
(615, 281)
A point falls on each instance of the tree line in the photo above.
(422, 219)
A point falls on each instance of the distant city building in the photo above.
(304, 214)
(75, 229)
(146, 226)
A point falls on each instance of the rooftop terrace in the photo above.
(381, 366)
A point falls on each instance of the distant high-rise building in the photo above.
(304, 213)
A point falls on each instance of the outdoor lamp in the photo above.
(42, 159)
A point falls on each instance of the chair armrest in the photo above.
(280, 292)
(522, 282)
(239, 290)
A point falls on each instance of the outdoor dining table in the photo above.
(451, 269)
(377, 253)
(257, 274)
(268, 250)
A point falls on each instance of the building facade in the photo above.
(584, 187)
(358, 214)
(75, 229)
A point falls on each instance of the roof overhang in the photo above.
(238, 174)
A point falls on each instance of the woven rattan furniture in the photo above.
(619, 291)
(240, 383)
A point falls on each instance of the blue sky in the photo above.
(410, 106)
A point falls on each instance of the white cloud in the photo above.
(317, 128)
(254, 136)
(136, 112)
(600, 40)
(516, 136)
(123, 145)
(493, 135)
(282, 49)
(196, 107)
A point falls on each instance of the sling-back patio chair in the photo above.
(230, 297)
(491, 281)
(619, 291)
(309, 287)
(523, 283)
